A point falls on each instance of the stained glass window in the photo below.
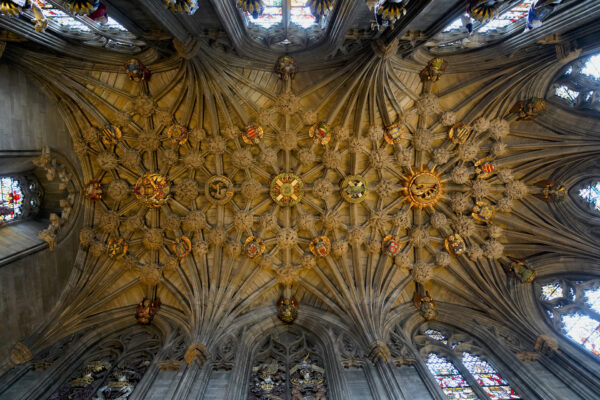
(591, 193)
(453, 384)
(66, 21)
(61, 18)
(454, 374)
(551, 291)
(436, 335)
(300, 14)
(513, 15)
(273, 12)
(11, 200)
(592, 67)
(488, 378)
(579, 84)
(579, 313)
(592, 297)
(584, 330)
(271, 15)
(455, 35)
(566, 93)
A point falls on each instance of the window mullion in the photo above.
(286, 14)
(481, 394)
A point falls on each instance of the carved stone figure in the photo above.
(146, 310)
(425, 305)
(287, 310)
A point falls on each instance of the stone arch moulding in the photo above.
(324, 341)
(36, 378)
(452, 343)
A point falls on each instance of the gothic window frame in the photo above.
(571, 79)
(116, 349)
(571, 301)
(263, 350)
(90, 33)
(583, 204)
(456, 344)
(287, 35)
(453, 41)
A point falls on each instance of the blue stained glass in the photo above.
(591, 193)
(11, 200)
(552, 291)
(436, 335)
(592, 67)
(565, 93)
(592, 297)
(584, 330)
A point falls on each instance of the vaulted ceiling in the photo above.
(359, 185)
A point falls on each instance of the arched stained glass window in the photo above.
(11, 200)
(450, 380)
(286, 24)
(461, 367)
(591, 194)
(579, 84)
(574, 310)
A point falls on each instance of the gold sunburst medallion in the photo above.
(423, 188)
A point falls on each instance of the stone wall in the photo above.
(31, 286)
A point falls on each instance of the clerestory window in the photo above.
(460, 371)
(286, 24)
(591, 194)
(465, 32)
(573, 307)
(579, 84)
(96, 29)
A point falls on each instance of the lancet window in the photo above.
(573, 307)
(112, 369)
(288, 366)
(460, 368)
(579, 84)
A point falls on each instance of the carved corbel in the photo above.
(19, 354)
(546, 345)
(197, 352)
(379, 351)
